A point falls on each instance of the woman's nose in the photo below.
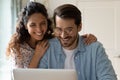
(39, 28)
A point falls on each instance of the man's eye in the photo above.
(69, 29)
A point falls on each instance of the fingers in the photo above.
(85, 35)
(42, 44)
(41, 47)
(89, 39)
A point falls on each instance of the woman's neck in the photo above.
(32, 43)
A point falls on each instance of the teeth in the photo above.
(39, 34)
(65, 39)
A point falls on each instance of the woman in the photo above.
(29, 42)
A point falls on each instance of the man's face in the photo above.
(67, 32)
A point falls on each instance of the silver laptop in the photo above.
(44, 74)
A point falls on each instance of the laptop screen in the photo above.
(44, 74)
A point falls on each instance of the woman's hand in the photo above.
(40, 49)
(89, 38)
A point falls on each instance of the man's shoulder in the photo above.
(54, 46)
(54, 42)
(91, 45)
(95, 45)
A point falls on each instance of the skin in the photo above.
(68, 40)
(37, 27)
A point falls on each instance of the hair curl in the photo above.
(21, 35)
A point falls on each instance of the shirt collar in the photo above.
(80, 47)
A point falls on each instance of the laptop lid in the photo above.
(44, 74)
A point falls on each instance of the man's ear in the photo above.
(80, 27)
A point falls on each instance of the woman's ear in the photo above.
(80, 27)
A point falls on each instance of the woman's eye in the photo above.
(44, 23)
(32, 25)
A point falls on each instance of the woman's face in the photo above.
(37, 26)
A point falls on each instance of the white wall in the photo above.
(5, 33)
(5, 24)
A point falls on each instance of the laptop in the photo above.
(44, 74)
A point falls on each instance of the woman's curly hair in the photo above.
(21, 35)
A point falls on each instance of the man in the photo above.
(68, 51)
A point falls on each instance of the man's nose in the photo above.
(63, 34)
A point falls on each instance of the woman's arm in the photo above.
(41, 47)
(15, 60)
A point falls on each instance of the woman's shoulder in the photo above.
(25, 46)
